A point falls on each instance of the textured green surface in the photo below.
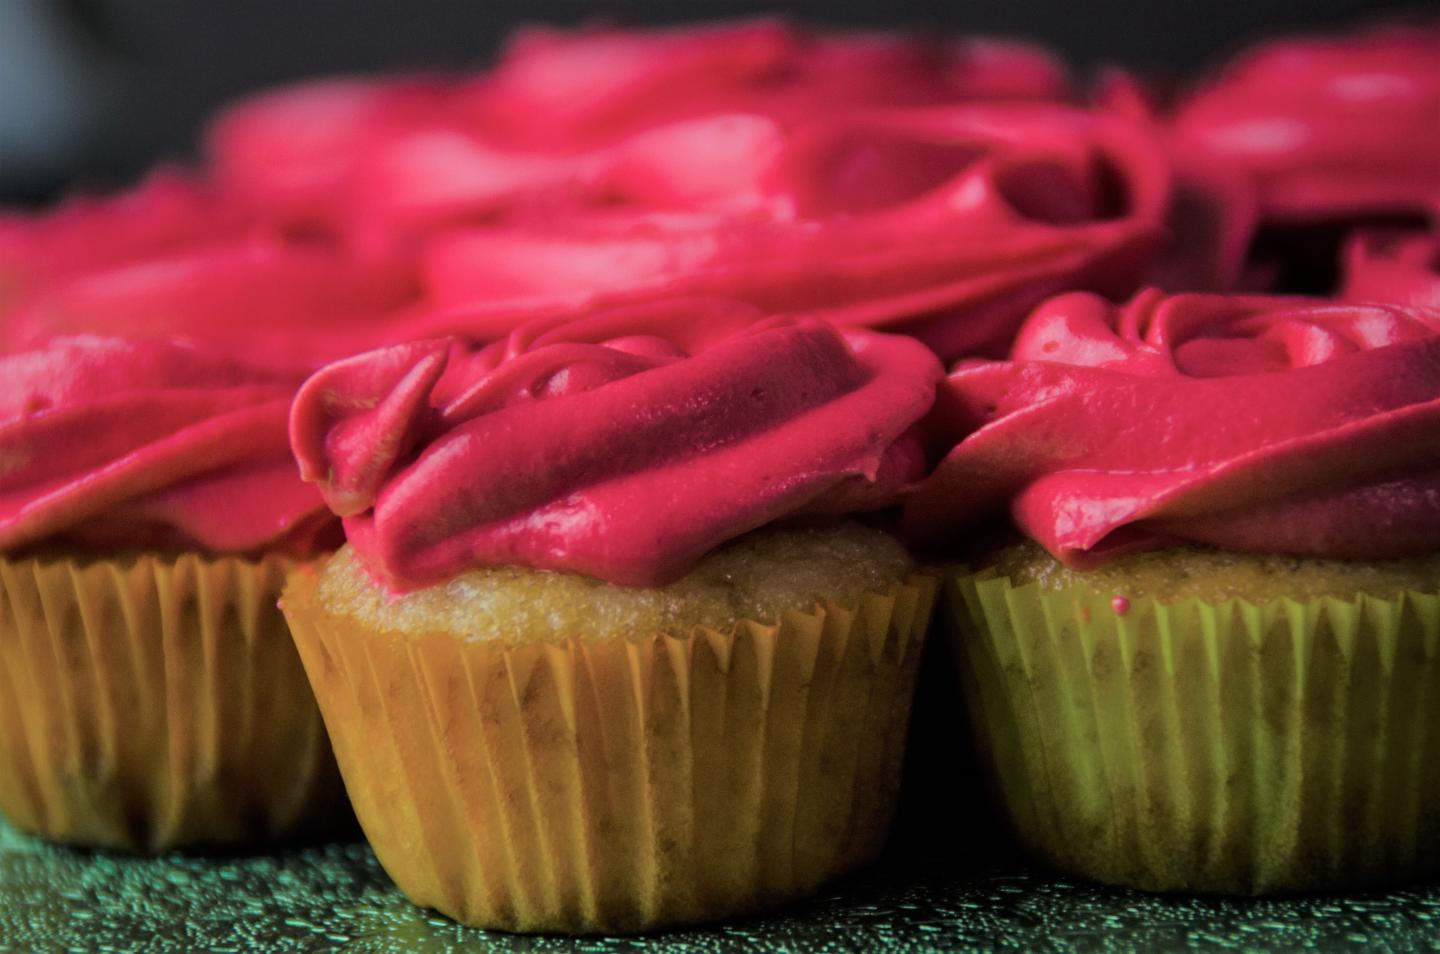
(336, 898)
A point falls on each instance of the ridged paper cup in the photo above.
(1231, 747)
(624, 782)
(152, 702)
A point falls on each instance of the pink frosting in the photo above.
(1257, 424)
(167, 211)
(290, 304)
(291, 152)
(947, 224)
(111, 444)
(595, 83)
(611, 447)
(658, 118)
(1213, 211)
(1328, 127)
(1402, 267)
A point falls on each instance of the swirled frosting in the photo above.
(1279, 425)
(114, 444)
(166, 211)
(607, 448)
(946, 224)
(175, 258)
(1328, 128)
(291, 305)
(1395, 266)
(663, 117)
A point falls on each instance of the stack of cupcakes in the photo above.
(591, 413)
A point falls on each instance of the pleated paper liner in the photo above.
(627, 782)
(1234, 748)
(152, 702)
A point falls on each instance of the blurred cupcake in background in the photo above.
(168, 210)
(1213, 209)
(1213, 666)
(569, 111)
(149, 511)
(1333, 131)
(601, 653)
(931, 187)
(945, 224)
(176, 259)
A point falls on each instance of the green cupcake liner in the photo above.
(1231, 747)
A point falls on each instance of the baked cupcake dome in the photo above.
(150, 513)
(671, 732)
(1205, 719)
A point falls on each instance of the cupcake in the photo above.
(1212, 666)
(944, 223)
(594, 115)
(284, 301)
(934, 188)
(149, 512)
(1332, 132)
(578, 673)
(1327, 127)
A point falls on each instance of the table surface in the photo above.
(336, 897)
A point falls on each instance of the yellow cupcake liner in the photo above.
(153, 702)
(1232, 747)
(622, 783)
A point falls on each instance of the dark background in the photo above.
(96, 90)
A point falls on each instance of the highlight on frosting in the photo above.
(608, 448)
(947, 224)
(1327, 127)
(1282, 425)
(1392, 265)
(121, 445)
